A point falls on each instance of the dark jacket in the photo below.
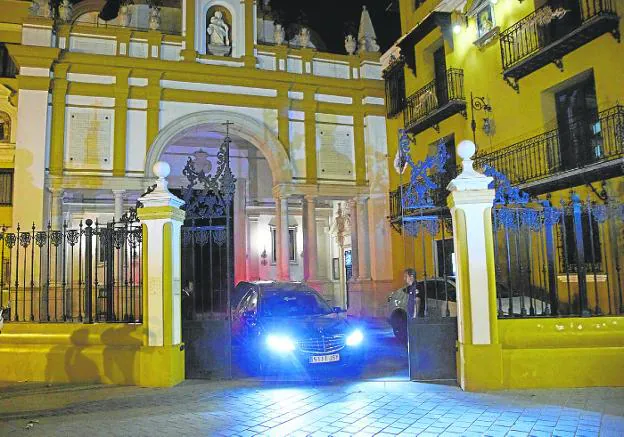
(412, 294)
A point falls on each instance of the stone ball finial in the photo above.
(466, 149)
(161, 169)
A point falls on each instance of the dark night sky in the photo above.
(332, 18)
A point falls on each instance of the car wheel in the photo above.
(399, 326)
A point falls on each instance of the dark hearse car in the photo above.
(289, 326)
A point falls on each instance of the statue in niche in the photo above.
(5, 127)
(218, 35)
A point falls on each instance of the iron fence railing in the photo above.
(546, 25)
(558, 260)
(433, 96)
(592, 139)
(83, 274)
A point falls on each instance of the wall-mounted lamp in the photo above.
(458, 21)
(264, 256)
(480, 104)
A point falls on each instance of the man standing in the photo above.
(413, 294)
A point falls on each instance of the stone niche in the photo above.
(218, 31)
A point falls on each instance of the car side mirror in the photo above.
(339, 310)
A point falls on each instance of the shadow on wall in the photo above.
(110, 358)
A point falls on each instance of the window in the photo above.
(6, 187)
(579, 128)
(292, 245)
(7, 66)
(485, 19)
(394, 77)
(591, 237)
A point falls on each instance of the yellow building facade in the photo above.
(538, 87)
(88, 107)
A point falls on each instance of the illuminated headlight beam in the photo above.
(280, 343)
(355, 338)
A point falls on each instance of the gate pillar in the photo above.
(162, 357)
(479, 360)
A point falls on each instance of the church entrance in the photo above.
(207, 262)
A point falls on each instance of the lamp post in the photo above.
(477, 104)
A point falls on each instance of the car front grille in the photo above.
(322, 344)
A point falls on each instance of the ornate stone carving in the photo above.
(304, 37)
(125, 15)
(65, 11)
(367, 38)
(278, 34)
(41, 8)
(154, 19)
(218, 35)
(218, 31)
(350, 44)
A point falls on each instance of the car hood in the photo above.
(305, 327)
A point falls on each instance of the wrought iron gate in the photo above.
(556, 259)
(207, 264)
(427, 237)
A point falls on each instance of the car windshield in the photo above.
(284, 303)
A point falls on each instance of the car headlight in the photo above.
(355, 338)
(280, 343)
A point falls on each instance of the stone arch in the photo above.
(245, 127)
(86, 6)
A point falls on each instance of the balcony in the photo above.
(549, 33)
(438, 197)
(591, 150)
(436, 101)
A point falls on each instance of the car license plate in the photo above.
(314, 359)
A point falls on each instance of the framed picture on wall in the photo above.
(336, 268)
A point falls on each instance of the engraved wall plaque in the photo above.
(89, 138)
(335, 152)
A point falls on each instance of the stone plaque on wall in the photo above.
(89, 138)
(335, 152)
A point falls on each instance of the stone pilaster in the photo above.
(119, 203)
(283, 256)
(162, 361)
(310, 250)
(470, 203)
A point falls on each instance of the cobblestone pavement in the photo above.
(246, 408)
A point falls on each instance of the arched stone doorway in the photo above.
(243, 126)
(258, 160)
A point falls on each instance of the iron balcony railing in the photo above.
(438, 196)
(436, 101)
(394, 78)
(591, 140)
(557, 30)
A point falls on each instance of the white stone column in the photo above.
(363, 238)
(355, 259)
(470, 204)
(162, 358)
(254, 249)
(283, 257)
(56, 210)
(310, 249)
(119, 203)
(163, 218)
